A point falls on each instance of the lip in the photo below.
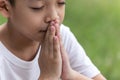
(44, 28)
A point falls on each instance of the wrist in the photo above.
(48, 78)
(71, 75)
(74, 75)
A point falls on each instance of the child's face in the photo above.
(32, 17)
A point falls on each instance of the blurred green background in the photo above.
(96, 25)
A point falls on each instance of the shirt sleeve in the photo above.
(79, 61)
(0, 67)
(0, 75)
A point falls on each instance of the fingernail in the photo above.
(57, 25)
(55, 38)
(57, 20)
(52, 23)
(51, 28)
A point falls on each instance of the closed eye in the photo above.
(61, 3)
(37, 8)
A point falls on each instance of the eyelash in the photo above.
(40, 8)
(37, 8)
(62, 3)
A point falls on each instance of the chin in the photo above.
(39, 39)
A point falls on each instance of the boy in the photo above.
(35, 45)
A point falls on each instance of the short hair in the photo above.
(12, 2)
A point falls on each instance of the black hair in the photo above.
(12, 2)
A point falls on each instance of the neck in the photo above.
(18, 38)
(19, 44)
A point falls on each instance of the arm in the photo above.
(50, 61)
(69, 74)
(47, 78)
(52, 67)
(76, 55)
(99, 77)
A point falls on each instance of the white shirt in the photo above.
(13, 68)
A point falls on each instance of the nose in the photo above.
(51, 15)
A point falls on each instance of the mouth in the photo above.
(43, 31)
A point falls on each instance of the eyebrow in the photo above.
(35, 0)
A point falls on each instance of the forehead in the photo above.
(36, 0)
(32, 1)
(46, 1)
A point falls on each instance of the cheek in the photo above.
(33, 21)
(61, 17)
(30, 21)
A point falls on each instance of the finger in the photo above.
(64, 55)
(49, 40)
(57, 27)
(56, 48)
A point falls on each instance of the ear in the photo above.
(4, 8)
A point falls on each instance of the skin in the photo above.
(37, 22)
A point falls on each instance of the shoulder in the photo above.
(68, 38)
(64, 28)
(66, 34)
(65, 31)
(1, 30)
(70, 41)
